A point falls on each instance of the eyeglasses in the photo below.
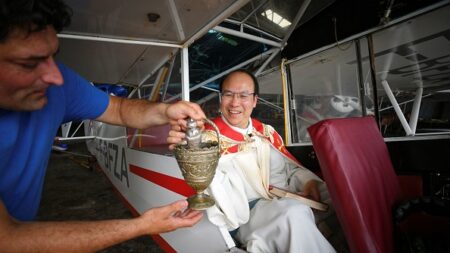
(243, 96)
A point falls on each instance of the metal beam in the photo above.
(253, 28)
(415, 110)
(258, 57)
(297, 18)
(397, 109)
(247, 36)
(225, 14)
(176, 19)
(185, 74)
(266, 62)
(117, 40)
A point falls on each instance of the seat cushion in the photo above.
(363, 186)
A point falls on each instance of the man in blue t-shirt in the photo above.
(36, 97)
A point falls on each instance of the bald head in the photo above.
(240, 73)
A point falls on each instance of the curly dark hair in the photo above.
(32, 15)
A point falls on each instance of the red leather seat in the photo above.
(363, 185)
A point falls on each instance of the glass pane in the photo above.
(413, 58)
(269, 109)
(209, 56)
(325, 85)
(216, 52)
(152, 139)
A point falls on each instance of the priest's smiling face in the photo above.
(238, 99)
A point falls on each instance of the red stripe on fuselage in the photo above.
(171, 183)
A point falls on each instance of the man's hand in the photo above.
(311, 190)
(90, 236)
(178, 113)
(182, 110)
(171, 217)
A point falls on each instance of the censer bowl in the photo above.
(198, 167)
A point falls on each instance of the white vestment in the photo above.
(272, 225)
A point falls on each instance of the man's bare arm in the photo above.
(142, 114)
(89, 236)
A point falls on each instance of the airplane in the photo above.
(398, 71)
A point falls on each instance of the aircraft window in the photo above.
(412, 61)
(270, 108)
(209, 56)
(152, 139)
(324, 85)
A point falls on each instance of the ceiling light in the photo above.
(276, 18)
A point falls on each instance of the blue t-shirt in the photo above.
(26, 139)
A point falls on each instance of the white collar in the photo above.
(244, 131)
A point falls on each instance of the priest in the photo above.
(253, 160)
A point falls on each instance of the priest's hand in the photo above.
(311, 190)
(176, 134)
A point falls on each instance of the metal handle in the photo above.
(215, 129)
